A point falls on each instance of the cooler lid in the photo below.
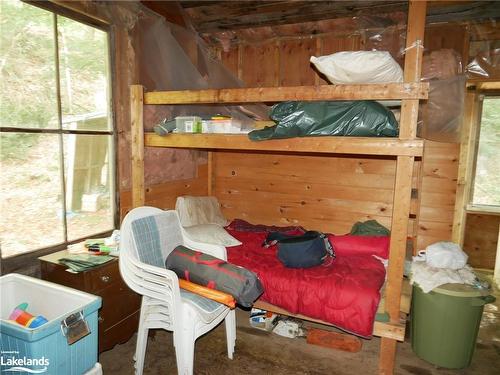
(461, 290)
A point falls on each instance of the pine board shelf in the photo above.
(387, 91)
(320, 145)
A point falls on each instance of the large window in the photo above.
(56, 141)
(486, 188)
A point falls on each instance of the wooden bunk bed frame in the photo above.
(405, 149)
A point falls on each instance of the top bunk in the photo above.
(402, 146)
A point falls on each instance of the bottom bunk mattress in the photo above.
(345, 292)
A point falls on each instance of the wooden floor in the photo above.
(259, 352)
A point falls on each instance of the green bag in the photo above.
(348, 118)
(369, 228)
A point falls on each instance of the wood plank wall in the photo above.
(330, 193)
(327, 193)
(284, 61)
(319, 192)
(164, 195)
(437, 192)
(480, 242)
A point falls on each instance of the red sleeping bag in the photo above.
(344, 293)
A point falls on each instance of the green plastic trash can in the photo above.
(445, 323)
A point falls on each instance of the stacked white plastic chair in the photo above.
(164, 305)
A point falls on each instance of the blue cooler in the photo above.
(46, 349)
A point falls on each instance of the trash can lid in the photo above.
(461, 290)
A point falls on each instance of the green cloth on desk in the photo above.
(84, 262)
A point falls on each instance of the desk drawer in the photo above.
(119, 333)
(119, 315)
(118, 302)
(104, 276)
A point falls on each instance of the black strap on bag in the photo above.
(301, 251)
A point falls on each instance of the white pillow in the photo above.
(199, 210)
(212, 234)
(359, 67)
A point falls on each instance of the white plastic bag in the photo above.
(445, 255)
(359, 67)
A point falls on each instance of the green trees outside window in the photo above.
(486, 189)
(56, 134)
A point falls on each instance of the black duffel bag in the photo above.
(214, 273)
(303, 251)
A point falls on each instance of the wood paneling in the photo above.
(452, 36)
(480, 240)
(284, 61)
(439, 183)
(229, 59)
(258, 64)
(164, 195)
(332, 43)
(318, 192)
(287, 57)
(294, 62)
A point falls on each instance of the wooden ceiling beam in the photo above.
(170, 10)
(215, 16)
(240, 15)
(462, 11)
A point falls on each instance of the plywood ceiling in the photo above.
(216, 16)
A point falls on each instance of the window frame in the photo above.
(17, 261)
(470, 206)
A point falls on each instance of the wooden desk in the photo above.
(119, 314)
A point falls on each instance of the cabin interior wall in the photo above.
(285, 61)
(294, 197)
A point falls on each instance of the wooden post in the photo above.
(496, 272)
(137, 145)
(387, 356)
(402, 189)
(211, 177)
(419, 170)
(399, 232)
(413, 66)
(470, 132)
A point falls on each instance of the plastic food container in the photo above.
(222, 126)
(188, 124)
(46, 349)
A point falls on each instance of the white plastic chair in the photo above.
(164, 305)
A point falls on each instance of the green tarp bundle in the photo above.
(348, 118)
(84, 262)
(369, 228)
